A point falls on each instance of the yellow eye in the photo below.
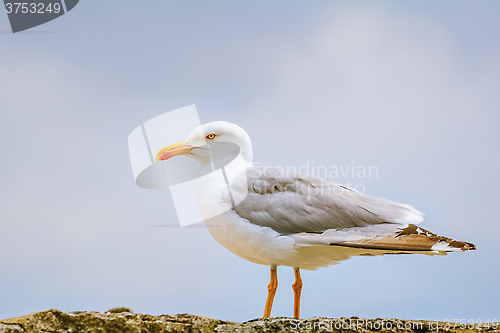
(210, 136)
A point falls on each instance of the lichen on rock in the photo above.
(124, 320)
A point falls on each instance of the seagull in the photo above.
(295, 220)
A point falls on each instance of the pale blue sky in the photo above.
(410, 87)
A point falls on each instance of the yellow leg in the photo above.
(271, 288)
(297, 288)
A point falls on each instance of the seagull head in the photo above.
(197, 144)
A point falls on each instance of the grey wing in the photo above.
(291, 203)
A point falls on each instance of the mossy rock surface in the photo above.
(123, 320)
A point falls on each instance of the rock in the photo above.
(124, 320)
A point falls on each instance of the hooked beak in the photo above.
(173, 150)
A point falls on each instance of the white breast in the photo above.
(248, 241)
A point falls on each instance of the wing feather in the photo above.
(292, 203)
(385, 237)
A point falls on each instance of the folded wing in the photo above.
(290, 203)
(317, 212)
